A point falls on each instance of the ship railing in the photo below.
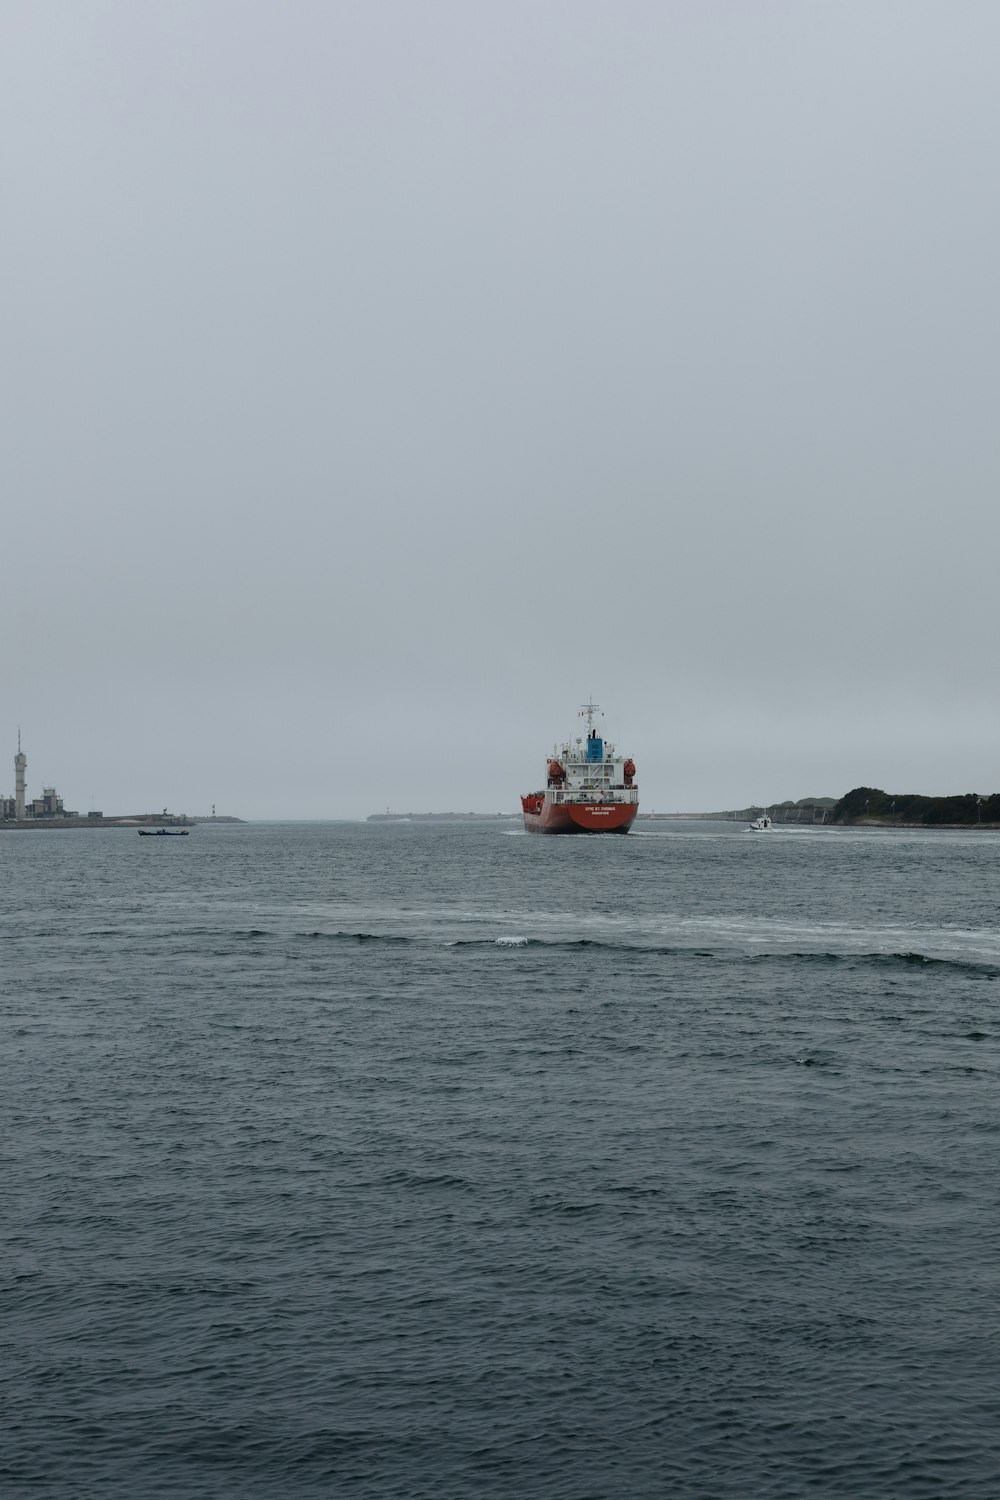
(627, 794)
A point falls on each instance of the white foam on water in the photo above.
(509, 926)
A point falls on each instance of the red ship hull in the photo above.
(579, 817)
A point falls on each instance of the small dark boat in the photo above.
(170, 833)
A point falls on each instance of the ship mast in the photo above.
(589, 709)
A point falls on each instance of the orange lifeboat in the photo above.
(628, 771)
(556, 773)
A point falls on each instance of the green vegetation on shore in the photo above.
(871, 804)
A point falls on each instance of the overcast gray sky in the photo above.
(381, 379)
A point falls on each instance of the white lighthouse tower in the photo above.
(20, 766)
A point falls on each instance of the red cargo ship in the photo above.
(589, 788)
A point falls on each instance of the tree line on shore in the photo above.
(870, 802)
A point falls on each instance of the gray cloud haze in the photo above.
(381, 380)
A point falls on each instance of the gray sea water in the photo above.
(442, 1161)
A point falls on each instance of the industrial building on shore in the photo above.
(18, 809)
(48, 810)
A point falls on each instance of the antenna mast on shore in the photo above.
(20, 766)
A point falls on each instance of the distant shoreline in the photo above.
(140, 820)
(445, 817)
(808, 815)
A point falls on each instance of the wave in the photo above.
(906, 958)
(361, 937)
(984, 967)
